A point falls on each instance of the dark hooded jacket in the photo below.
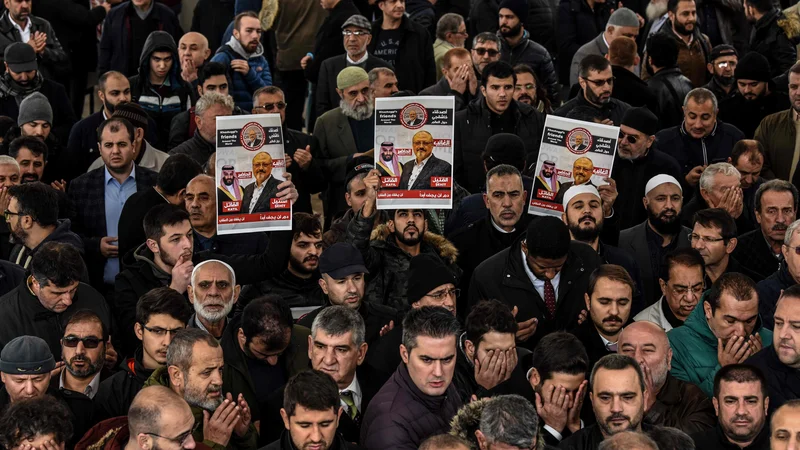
(783, 382)
(670, 88)
(691, 152)
(535, 56)
(116, 393)
(775, 36)
(769, 290)
(22, 255)
(163, 102)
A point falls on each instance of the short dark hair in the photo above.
(489, 315)
(792, 291)
(740, 373)
(486, 36)
(686, 257)
(749, 147)
(34, 145)
(312, 390)
(560, 352)
(431, 321)
(762, 6)
(593, 63)
(739, 286)
(612, 272)
(115, 124)
(237, 21)
(57, 263)
(160, 216)
(622, 51)
(176, 172)
(616, 361)
(305, 223)
(547, 237)
(541, 92)
(663, 50)
(503, 170)
(443, 442)
(795, 69)
(162, 300)
(669, 438)
(37, 200)
(776, 186)
(87, 315)
(498, 69)
(268, 318)
(211, 69)
(672, 6)
(585, 113)
(717, 218)
(38, 416)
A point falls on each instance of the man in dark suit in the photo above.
(99, 196)
(417, 173)
(661, 233)
(257, 194)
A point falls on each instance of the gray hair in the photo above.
(700, 96)
(375, 73)
(210, 99)
(180, 350)
(449, 23)
(775, 186)
(629, 440)
(338, 320)
(6, 160)
(616, 361)
(510, 420)
(269, 90)
(790, 232)
(359, 177)
(486, 36)
(668, 438)
(502, 170)
(722, 168)
(432, 321)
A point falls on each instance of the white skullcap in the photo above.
(660, 179)
(223, 263)
(574, 191)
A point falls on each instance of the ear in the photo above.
(707, 310)
(241, 337)
(731, 245)
(581, 82)
(588, 301)
(636, 60)
(138, 331)
(766, 406)
(471, 350)
(535, 379)
(664, 286)
(236, 291)
(710, 68)
(323, 285)
(101, 95)
(390, 225)
(669, 359)
(198, 120)
(341, 94)
(285, 418)
(706, 197)
(564, 218)
(144, 441)
(206, 53)
(483, 90)
(758, 217)
(404, 354)
(200, 92)
(716, 405)
(362, 353)
(347, 199)
(190, 293)
(310, 346)
(482, 444)
(486, 200)
(176, 377)
(152, 245)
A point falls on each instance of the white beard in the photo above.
(213, 317)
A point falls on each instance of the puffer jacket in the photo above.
(116, 393)
(388, 264)
(401, 416)
(22, 255)
(691, 152)
(694, 349)
(725, 20)
(161, 106)
(775, 36)
(243, 86)
(535, 56)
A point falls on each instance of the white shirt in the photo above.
(91, 388)
(25, 33)
(256, 194)
(354, 389)
(537, 283)
(500, 229)
(360, 61)
(417, 170)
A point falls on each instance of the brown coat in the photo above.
(683, 406)
(777, 134)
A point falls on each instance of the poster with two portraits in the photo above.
(572, 152)
(414, 152)
(249, 167)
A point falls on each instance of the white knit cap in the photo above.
(660, 179)
(574, 191)
(223, 263)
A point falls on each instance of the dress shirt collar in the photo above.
(355, 389)
(91, 388)
(108, 177)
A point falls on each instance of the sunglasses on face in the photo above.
(272, 106)
(483, 51)
(628, 137)
(88, 342)
(601, 83)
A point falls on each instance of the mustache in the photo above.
(411, 226)
(214, 388)
(310, 258)
(612, 319)
(618, 416)
(779, 227)
(590, 217)
(742, 417)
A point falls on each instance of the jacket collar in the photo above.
(430, 402)
(686, 134)
(767, 19)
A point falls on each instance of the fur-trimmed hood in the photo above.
(268, 13)
(468, 419)
(790, 22)
(443, 247)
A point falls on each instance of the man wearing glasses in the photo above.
(356, 36)
(722, 64)
(682, 285)
(714, 236)
(485, 50)
(160, 313)
(83, 349)
(171, 428)
(597, 83)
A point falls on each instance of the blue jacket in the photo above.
(243, 86)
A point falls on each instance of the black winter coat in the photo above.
(53, 62)
(614, 109)
(285, 443)
(753, 252)
(130, 234)
(75, 25)
(11, 275)
(116, 393)
(472, 131)
(415, 65)
(577, 24)
(293, 290)
(670, 88)
(716, 440)
(535, 56)
(769, 290)
(746, 115)
(691, 152)
(503, 277)
(375, 317)
(770, 38)
(629, 88)
(401, 416)
(63, 115)
(540, 23)
(211, 18)
(783, 382)
(328, 42)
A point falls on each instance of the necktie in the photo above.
(347, 398)
(550, 298)
(612, 347)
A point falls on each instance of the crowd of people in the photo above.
(660, 310)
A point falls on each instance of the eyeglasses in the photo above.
(706, 239)
(441, 294)
(181, 438)
(725, 64)
(527, 86)
(796, 249)
(161, 332)
(483, 51)
(271, 106)
(355, 33)
(628, 137)
(7, 214)
(88, 342)
(601, 83)
(680, 291)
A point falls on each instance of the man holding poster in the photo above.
(417, 173)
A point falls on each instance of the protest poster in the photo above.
(411, 131)
(249, 167)
(572, 153)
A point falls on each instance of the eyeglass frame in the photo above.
(7, 214)
(601, 83)
(706, 240)
(279, 106)
(161, 332)
(796, 249)
(482, 51)
(455, 292)
(348, 33)
(81, 340)
(177, 439)
(632, 139)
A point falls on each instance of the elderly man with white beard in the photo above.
(213, 292)
(342, 134)
(669, 401)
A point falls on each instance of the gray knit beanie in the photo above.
(35, 107)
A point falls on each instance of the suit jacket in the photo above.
(87, 193)
(634, 240)
(327, 97)
(262, 203)
(754, 253)
(435, 167)
(596, 46)
(595, 348)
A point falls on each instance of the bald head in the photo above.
(644, 328)
(193, 47)
(647, 343)
(785, 426)
(628, 440)
(152, 404)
